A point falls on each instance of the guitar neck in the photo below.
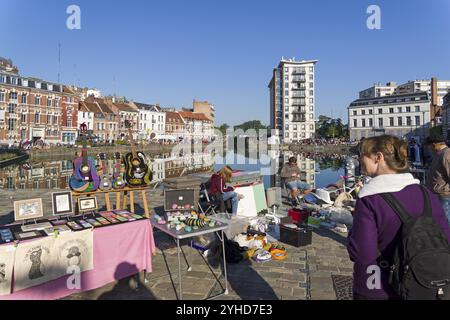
(133, 146)
(84, 152)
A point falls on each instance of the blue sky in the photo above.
(170, 52)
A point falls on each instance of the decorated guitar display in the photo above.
(106, 179)
(84, 177)
(137, 172)
(118, 179)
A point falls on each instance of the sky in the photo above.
(173, 51)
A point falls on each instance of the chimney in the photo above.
(434, 107)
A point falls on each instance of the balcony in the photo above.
(298, 95)
(298, 71)
(299, 89)
(298, 103)
(298, 79)
(299, 117)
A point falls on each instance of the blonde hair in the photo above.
(226, 173)
(394, 150)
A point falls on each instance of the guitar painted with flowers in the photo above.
(84, 177)
(137, 171)
(106, 179)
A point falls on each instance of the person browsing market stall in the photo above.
(291, 176)
(217, 188)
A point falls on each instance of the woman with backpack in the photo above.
(384, 268)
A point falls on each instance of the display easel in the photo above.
(123, 197)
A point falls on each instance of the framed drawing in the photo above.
(28, 209)
(87, 204)
(62, 203)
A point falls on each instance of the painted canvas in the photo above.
(6, 268)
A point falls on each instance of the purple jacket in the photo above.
(375, 226)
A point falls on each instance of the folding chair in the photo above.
(207, 204)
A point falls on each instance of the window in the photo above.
(380, 122)
(286, 85)
(355, 123)
(355, 112)
(49, 102)
(286, 100)
(286, 127)
(12, 108)
(363, 123)
(295, 135)
(56, 103)
(286, 92)
(286, 108)
(417, 120)
(363, 112)
(311, 92)
(370, 122)
(2, 96)
(287, 135)
(399, 121)
(24, 118)
(408, 109)
(408, 121)
(24, 98)
(391, 110)
(417, 108)
(286, 116)
(399, 109)
(37, 101)
(311, 116)
(391, 121)
(380, 111)
(370, 111)
(311, 100)
(37, 117)
(311, 77)
(55, 119)
(13, 95)
(311, 85)
(311, 69)
(286, 69)
(48, 119)
(69, 123)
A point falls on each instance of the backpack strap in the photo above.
(427, 203)
(396, 206)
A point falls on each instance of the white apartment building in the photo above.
(151, 120)
(378, 90)
(86, 116)
(398, 115)
(292, 100)
(425, 85)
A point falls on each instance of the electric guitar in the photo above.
(118, 180)
(137, 172)
(84, 177)
(105, 183)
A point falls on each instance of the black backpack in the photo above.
(420, 265)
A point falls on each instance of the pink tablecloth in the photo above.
(119, 251)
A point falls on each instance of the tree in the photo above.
(223, 128)
(254, 124)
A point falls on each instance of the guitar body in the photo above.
(137, 172)
(106, 179)
(84, 176)
(118, 178)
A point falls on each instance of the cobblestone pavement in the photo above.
(305, 274)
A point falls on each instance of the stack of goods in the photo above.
(330, 220)
(104, 218)
(258, 248)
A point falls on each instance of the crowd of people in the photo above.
(328, 141)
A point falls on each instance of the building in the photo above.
(446, 115)
(152, 120)
(398, 115)
(102, 122)
(206, 108)
(198, 128)
(34, 109)
(126, 112)
(292, 100)
(378, 90)
(175, 125)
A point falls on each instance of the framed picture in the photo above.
(87, 204)
(62, 203)
(28, 209)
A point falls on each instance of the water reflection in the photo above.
(317, 170)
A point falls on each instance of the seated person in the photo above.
(217, 188)
(291, 175)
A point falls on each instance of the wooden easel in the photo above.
(123, 196)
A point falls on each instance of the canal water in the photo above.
(317, 170)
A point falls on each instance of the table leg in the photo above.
(179, 268)
(132, 201)
(224, 263)
(118, 201)
(108, 202)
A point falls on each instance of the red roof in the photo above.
(194, 115)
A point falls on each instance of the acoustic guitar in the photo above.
(106, 179)
(137, 172)
(118, 179)
(84, 176)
